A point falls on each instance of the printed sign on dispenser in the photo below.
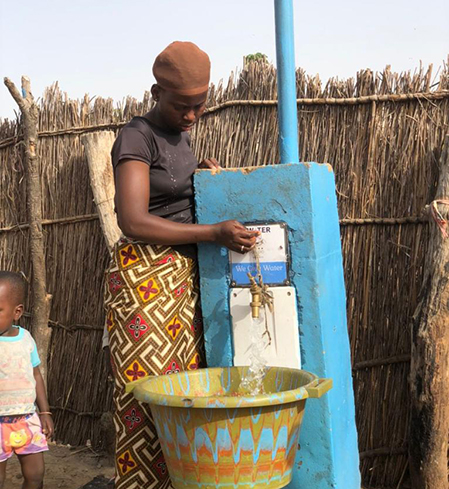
(272, 250)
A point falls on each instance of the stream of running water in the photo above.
(252, 383)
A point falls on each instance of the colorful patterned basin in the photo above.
(214, 436)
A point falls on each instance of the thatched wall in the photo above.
(384, 148)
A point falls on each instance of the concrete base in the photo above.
(303, 196)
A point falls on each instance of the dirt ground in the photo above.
(66, 468)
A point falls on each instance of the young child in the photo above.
(22, 430)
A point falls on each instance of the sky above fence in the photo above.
(107, 47)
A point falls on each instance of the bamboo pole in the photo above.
(40, 298)
(429, 371)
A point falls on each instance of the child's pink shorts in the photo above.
(21, 435)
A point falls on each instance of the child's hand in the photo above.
(48, 428)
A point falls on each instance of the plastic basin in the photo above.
(213, 435)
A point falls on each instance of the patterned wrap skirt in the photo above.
(155, 328)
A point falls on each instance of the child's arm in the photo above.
(42, 403)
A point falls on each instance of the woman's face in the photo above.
(179, 112)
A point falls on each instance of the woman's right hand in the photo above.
(235, 236)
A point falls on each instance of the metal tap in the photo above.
(256, 293)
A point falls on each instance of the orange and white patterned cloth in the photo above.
(155, 327)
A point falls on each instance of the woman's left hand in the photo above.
(210, 163)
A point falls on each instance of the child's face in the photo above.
(9, 310)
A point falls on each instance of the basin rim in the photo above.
(141, 393)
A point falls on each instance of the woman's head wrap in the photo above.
(182, 68)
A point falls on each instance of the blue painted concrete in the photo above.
(286, 78)
(303, 196)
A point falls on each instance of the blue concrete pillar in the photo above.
(303, 196)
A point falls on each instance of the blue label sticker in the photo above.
(272, 272)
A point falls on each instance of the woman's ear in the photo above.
(156, 92)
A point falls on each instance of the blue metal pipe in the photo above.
(286, 77)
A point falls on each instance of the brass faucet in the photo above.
(256, 293)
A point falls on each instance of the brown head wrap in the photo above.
(182, 68)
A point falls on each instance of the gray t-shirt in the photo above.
(171, 165)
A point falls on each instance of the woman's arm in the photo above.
(132, 183)
(42, 404)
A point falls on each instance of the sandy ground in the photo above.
(73, 468)
(65, 468)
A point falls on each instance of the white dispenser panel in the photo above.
(272, 248)
(284, 350)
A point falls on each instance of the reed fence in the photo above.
(383, 135)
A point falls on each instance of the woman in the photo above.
(152, 304)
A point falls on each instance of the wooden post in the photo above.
(429, 374)
(40, 300)
(97, 146)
